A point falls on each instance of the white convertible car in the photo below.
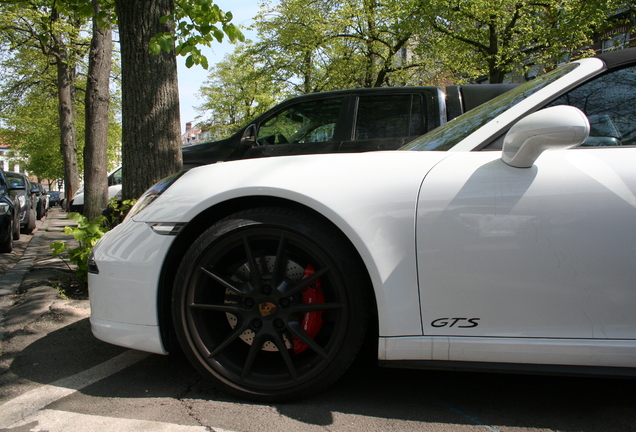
(505, 240)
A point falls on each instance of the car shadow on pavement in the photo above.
(441, 397)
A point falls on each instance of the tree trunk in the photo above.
(151, 132)
(97, 103)
(495, 74)
(68, 138)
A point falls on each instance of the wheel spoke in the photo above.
(284, 352)
(231, 308)
(227, 284)
(297, 286)
(231, 337)
(255, 348)
(255, 272)
(280, 263)
(298, 331)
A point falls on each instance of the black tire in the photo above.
(16, 229)
(6, 244)
(30, 225)
(238, 303)
(76, 208)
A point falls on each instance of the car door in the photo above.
(544, 252)
(307, 127)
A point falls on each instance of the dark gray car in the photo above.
(20, 187)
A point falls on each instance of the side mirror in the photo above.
(557, 127)
(249, 136)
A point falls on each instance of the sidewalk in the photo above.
(36, 261)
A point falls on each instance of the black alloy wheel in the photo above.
(271, 303)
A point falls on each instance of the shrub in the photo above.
(88, 233)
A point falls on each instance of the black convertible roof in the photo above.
(618, 58)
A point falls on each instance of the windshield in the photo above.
(446, 136)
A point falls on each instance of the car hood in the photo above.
(327, 183)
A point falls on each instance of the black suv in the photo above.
(20, 186)
(9, 216)
(341, 121)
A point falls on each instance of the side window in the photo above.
(306, 122)
(115, 178)
(609, 102)
(389, 116)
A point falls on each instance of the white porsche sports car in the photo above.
(488, 243)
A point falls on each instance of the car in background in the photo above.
(114, 187)
(20, 186)
(344, 121)
(9, 216)
(42, 205)
(503, 240)
(54, 198)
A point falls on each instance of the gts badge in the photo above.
(456, 322)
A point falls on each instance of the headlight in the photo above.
(153, 193)
(4, 208)
(22, 200)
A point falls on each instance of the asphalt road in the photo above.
(55, 376)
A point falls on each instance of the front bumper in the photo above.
(124, 294)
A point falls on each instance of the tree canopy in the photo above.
(307, 46)
(237, 90)
(497, 37)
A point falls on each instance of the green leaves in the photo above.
(495, 37)
(237, 90)
(161, 42)
(88, 233)
(198, 22)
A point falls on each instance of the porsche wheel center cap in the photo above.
(266, 309)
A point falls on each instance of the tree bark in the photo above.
(97, 104)
(66, 98)
(151, 132)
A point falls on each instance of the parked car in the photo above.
(20, 186)
(344, 121)
(54, 198)
(114, 186)
(9, 217)
(503, 240)
(42, 205)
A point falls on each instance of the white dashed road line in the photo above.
(26, 412)
(32, 401)
(64, 421)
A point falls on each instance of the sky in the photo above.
(191, 80)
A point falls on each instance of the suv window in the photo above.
(389, 116)
(609, 102)
(115, 178)
(306, 122)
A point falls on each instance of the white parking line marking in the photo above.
(32, 401)
(64, 421)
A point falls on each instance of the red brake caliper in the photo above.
(312, 321)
